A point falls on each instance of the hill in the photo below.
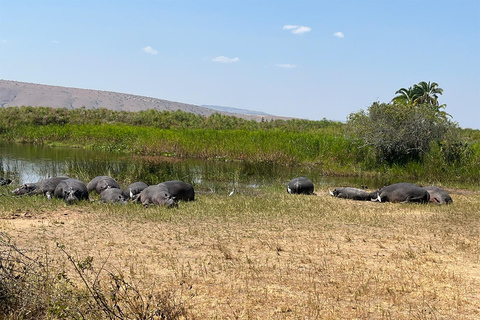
(15, 93)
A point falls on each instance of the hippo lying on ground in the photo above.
(45, 187)
(438, 195)
(113, 195)
(71, 190)
(101, 183)
(351, 193)
(157, 194)
(133, 190)
(300, 185)
(401, 192)
(4, 182)
(180, 190)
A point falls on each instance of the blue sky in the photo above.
(305, 59)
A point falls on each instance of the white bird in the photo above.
(231, 193)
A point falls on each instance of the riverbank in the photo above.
(324, 145)
(265, 254)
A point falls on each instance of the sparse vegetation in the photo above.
(266, 255)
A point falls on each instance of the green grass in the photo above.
(322, 145)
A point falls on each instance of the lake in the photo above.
(29, 163)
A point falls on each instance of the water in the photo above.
(29, 163)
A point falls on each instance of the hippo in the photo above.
(71, 190)
(180, 190)
(438, 195)
(101, 183)
(300, 185)
(5, 182)
(157, 194)
(113, 195)
(133, 190)
(45, 187)
(351, 193)
(401, 192)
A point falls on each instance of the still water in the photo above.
(29, 163)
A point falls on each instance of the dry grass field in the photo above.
(266, 254)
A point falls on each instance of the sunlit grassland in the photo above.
(267, 254)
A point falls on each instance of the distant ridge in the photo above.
(236, 110)
(15, 93)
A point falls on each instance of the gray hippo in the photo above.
(180, 190)
(157, 194)
(113, 195)
(351, 193)
(300, 185)
(101, 183)
(438, 195)
(45, 187)
(401, 192)
(133, 190)
(5, 182)
(71, 190)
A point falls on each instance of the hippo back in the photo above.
(92, 185)
(180, 190)
(403, 192)
(113, 195)
(71, 190)
(48, 185)
(105, 183)
(351, 193)
(134, 189)
(300, 185)
(438, 195)
(157, 194)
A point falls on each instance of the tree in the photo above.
(400, 132)
(421, 93)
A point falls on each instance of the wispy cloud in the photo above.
(55, 41)
(149, 50)
(286, 65)
(338, 34)
(297, 29)
(223, 59)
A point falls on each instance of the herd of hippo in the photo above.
(168, 193)
(398, 192)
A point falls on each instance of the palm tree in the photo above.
(427, 93)
(404, 96)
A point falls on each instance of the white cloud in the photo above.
(338, 35)
(55, 41)
(286, 65)
(149, 50)
(224, 59)
(297, 29)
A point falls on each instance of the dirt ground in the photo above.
(337, 259)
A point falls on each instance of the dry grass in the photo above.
(270, 255)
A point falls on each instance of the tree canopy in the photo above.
(404, 129)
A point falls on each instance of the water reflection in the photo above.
(28, 163)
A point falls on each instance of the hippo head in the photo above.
(165, 199)
(4, 182)
(375, 196)
(26, 188)
(70, 196)
(121, 198)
